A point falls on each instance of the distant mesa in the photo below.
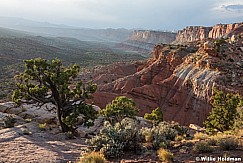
(197, 33)
(144, 40)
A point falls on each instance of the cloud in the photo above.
(234, 8)
(150, 14)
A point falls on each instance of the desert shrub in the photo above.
(181, 130)
(202, 147)
(155, 116)
(213, 140)
(42, 126)
(228, 143)
(200, 136)
(179, 138)
(93, 157)
(159, 134)
(120, 108)
(9, 121)
(165, 155)
(113, 141)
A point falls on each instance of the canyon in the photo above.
(180, 79)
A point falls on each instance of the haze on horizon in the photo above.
(146, 14)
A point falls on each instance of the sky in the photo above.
(146, 14)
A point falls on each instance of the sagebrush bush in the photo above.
(212, 140)
(113, 141)
(200, 136)
(228, 143)
(93, 157)
(202, 147)
(162, 133)
(165, 155)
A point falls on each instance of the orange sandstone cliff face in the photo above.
(179, 79)
(196, 33)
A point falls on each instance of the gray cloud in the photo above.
(234, 8)
(150, 14)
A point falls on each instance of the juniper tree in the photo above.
(48, 81)
(156, 116)
(120, 108)
(223, 114)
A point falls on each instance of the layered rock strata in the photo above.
(180, 79)
(196, 33)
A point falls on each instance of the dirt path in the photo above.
(39, 146)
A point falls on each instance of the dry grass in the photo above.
(202, 147)
(93, 157)
(165, 155)
(200, 136)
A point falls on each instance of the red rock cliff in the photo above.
(179, 79)
(196, 33)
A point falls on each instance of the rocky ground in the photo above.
(27, 143)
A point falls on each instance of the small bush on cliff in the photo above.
(222, 117)
(156, 116)
(120, 108)
(113, 141)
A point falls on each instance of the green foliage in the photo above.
(223, 114)
(156, 116)
(165, 155)
(220, 41)
(162, 134)
(238, 125)
(202, 147)
(48, 81)
(113, 141)
(9, 121)
(120, 108)
(93, 157)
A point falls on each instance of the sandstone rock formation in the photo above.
(179, 79)
(144, 40)
(196, 33)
